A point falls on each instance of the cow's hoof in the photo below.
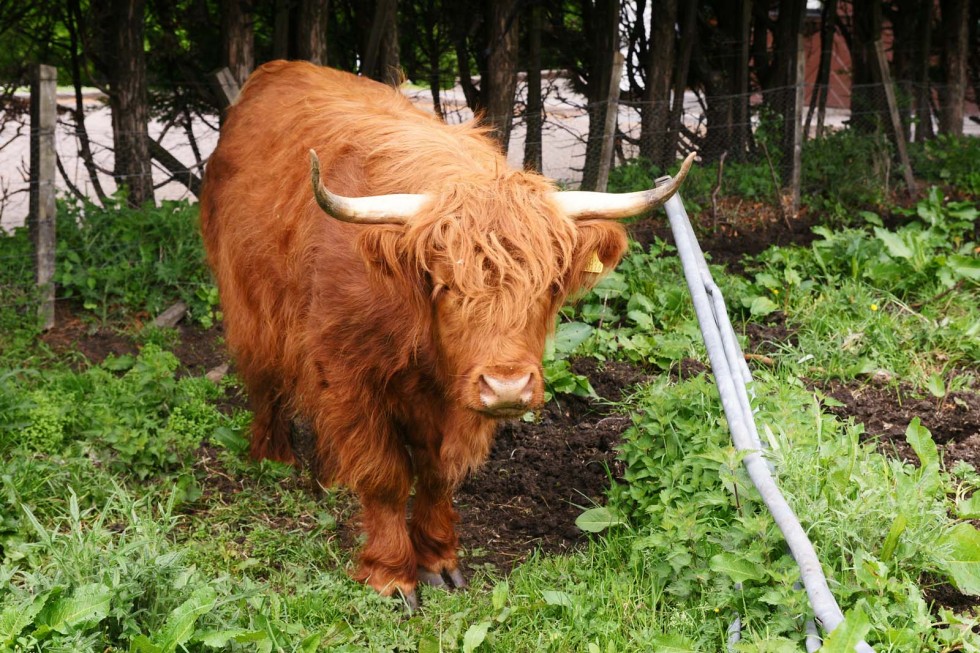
(431, 578)
(410, 601)
(456, 578)
(447, 579)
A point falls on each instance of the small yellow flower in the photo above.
(775, 291)
(874, 307)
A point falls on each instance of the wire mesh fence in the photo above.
(738, 129)
(708, 125)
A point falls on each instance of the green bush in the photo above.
(120, 260)
(847, 170)
(130, 412)
(701, 528)
(949, 160)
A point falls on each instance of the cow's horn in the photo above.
(378, 209)
(584, 205)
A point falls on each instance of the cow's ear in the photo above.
(599, 248)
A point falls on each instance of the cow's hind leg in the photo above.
(270, 423)
(433, 525)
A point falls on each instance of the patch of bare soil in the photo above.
(541, 475)
(73, 333)
(742, 228)
(886, 412)
(954, 422)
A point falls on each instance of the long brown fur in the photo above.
(375, 334)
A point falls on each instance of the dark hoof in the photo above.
(456, 578)
(431, 578)
(448, 579)
(410, 601)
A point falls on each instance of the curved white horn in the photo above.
(585, 205)
(398, 208)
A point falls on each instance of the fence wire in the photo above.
(731, 127)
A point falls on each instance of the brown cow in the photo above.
(402, 312)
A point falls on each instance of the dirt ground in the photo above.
(540, 476)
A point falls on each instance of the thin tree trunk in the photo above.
(741, 129)
(923, 90)
(655, 110)
(72, 22)
(784, 95)
(828, 28)
(688, 36)
(955, 26)
(533, 136)
(237, 39)
(311, 31)
(381, 55)
(129, 104)
(280, 29)
(867, 99)
(605, 44)
(435, 76)
(500, 81)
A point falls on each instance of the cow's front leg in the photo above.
(388, 562)
(433, 524)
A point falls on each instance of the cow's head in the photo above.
(491, 264)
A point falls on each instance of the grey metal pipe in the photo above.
(730, 372)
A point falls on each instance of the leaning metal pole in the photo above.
(731, 374)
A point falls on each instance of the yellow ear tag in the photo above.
(595, 266)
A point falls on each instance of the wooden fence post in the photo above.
(609, 129)
(41, 216)
(225, 88)
(881, 62)
(797, 165)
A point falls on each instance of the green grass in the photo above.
(130, 518)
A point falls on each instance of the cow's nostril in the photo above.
(495, 390)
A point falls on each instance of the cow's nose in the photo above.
(506, 391)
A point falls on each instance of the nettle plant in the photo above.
(636, 316)
(700, 530)
(119, 260)
(130, 412)
(933, 250)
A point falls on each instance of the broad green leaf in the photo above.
(848, 634)
(969, 508)
(119, 363)
(221, 638)
(17, 616)
(871, 218)
(553, 597)
(936, 385)
(142, 644)
(180, 622)
(737, 568)
(967, 267)
(963, 561)
(311, 643)
(893, 243)
(474, 636)
(500, 593)
(570, 335)
(429, 645)
(762, 306)
(641, 319)
(673, 644)
(894, 533)
(596, 520)
(87, 606)
(920, 439)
